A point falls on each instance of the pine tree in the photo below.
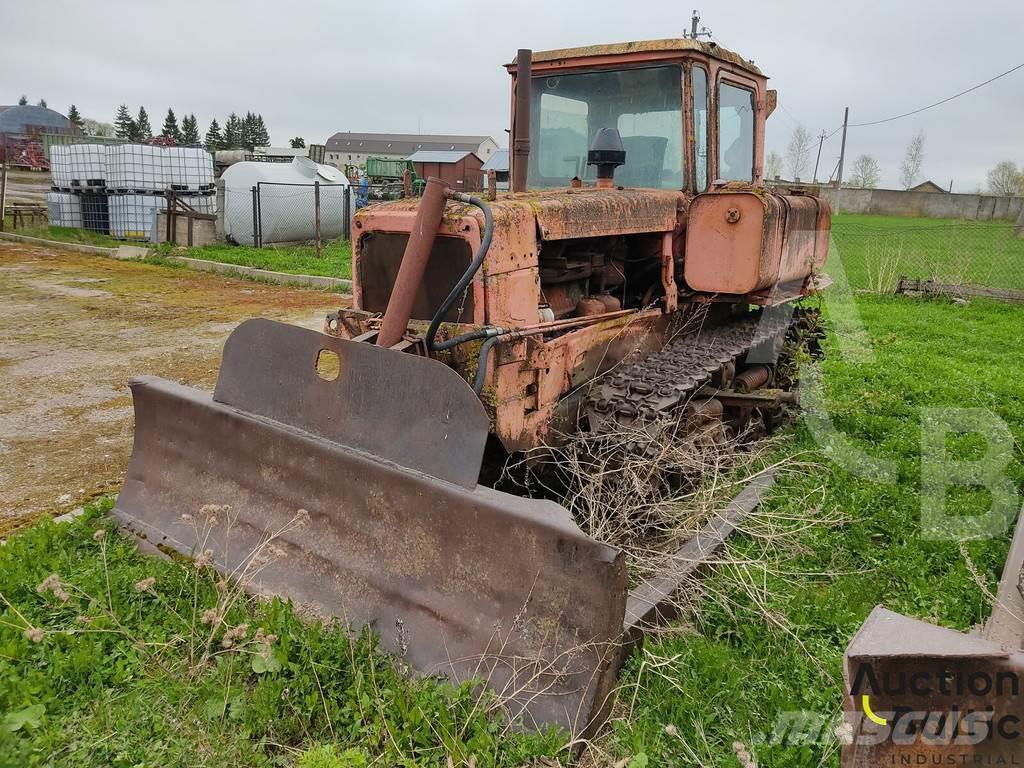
(74, 117)
(170, 129)
(124, 126)
(23, 100)
(214, 138)
(298, 143)
(42, 103)
(260, 137)
(248, 131)
(233, 132)
(189, 131)
(143, 129)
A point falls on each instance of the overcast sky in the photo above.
(314, 68)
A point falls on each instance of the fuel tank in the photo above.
(747, 241)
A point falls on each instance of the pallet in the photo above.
(909, 285)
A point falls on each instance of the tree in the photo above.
(910, 168)
(798, 152)
(42, 103)
(143, 130)
(170, 129)
(260, 137)
(124, 125)
(233, 138)
(74, 117)
(1006, 179)
(92, 127)
(865, 172)
(773, 165)
(23, 100)
(189, 130)
(298, 143)
(214, 138)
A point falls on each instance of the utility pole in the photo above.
(842, 151)
(821, 141)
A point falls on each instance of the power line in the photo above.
(937, 103)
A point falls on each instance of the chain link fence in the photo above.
(295, 213)
(885, 254)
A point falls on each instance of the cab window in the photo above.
(735, 133)
(699, 79)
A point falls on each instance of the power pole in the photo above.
(842, 151)
(839, 165)
(821, 141)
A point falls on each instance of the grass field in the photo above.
(125, 673)
(68, 235)
(876, 250)
(335, 259)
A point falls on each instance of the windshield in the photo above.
(645, 105)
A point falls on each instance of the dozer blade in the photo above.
(459, 579)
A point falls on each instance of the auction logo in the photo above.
(960, 722)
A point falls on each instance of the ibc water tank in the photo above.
(64, 209)
(286, 201)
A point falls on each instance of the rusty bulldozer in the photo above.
(637, 272)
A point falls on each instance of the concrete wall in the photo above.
(932, 205)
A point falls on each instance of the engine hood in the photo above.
(573, 213)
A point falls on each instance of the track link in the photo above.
(657, 385)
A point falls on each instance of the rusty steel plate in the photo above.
(459, 580)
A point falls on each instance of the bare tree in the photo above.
(773, 165)
(910, 169)
(865, 172)
(1006, 179)
(798, 152)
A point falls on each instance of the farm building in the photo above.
(927, 186)
(23, 123)
(460, 170)
(499, 164)
(353, 148)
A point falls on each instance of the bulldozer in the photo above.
(638, 272)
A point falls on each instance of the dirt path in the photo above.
(73, 330)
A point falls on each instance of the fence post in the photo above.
(171, 228)
(3, 187)
(347, 212)
(316, 215)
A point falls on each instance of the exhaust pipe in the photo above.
(521, 123)
(414, 263)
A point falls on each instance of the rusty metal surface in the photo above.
(522, 87)
(927, 670)
(396, 406)
(663, 48)
(596, 213)
(462, 581)
(414, 263)
(658, 384)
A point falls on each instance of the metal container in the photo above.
(740, 242)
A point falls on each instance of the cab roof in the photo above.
(668, 45)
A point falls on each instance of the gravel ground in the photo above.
(73, 329)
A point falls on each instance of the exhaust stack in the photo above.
(521, 123)
(414, 263)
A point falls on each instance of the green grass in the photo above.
(124, 689)
(103, 668)
(739, 671)
(335, 259)
(67, 235)
(876, 250)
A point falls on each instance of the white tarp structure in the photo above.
(287, 205)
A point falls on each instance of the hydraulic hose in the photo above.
(481, 363)
(467, 277)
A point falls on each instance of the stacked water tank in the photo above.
(119, 189)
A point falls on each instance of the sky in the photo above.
(314, 68)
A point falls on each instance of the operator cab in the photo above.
(658, 95)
